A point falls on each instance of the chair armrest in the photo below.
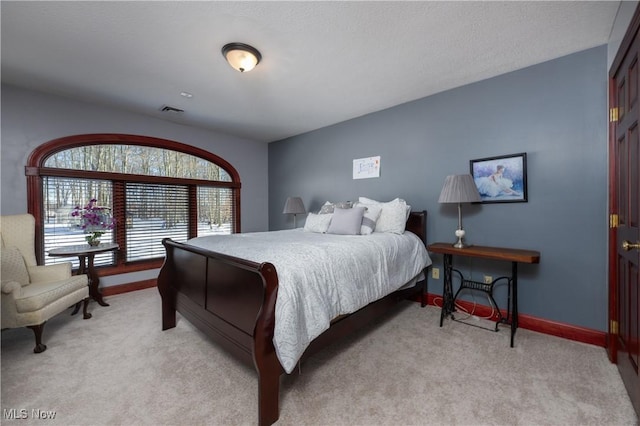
(9, 287)
(45, 273)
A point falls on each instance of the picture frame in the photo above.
(501, 179)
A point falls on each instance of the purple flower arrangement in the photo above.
(93, 219)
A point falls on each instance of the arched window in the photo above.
(153, 188)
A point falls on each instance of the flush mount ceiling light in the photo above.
(241, 56)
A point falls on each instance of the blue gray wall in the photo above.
(554, 111)
(31, 118)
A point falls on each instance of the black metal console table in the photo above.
(514, 256)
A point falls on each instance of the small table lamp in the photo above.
(294, 206)
(459, 189)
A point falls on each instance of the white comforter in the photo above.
(322, 276)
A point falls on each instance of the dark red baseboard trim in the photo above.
(540, 325)
(126, 288)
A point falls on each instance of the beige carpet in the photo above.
(120, 368)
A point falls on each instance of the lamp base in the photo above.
(460, 243)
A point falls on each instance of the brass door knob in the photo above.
(627, 245)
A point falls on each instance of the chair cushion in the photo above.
(13, 267)
(36, 296)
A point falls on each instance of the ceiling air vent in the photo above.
(167, 108)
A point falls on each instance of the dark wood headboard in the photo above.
(417, 223)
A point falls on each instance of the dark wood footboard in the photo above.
(233, 300)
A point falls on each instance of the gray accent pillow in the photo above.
(328, 206)
(346, 221)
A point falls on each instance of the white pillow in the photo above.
(317, 222)
(393, 217)
(346, 221)
(370, 218)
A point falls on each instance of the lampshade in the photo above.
(241, 56)
(459, 189)
(294, 205)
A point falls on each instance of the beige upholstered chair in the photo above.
(32, 294)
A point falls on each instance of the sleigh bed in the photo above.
(233, 301)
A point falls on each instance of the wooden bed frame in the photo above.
(233, 301)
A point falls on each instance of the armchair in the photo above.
(32, 293)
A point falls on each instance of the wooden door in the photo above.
(625, 208)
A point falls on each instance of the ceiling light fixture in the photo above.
(241, 56)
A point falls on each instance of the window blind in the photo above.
(154, 212)
(60, 197)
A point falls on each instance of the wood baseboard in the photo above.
(540, 325)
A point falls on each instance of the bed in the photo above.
(232, 297)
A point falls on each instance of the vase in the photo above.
(93, 238)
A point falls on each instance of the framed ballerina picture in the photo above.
(501, 179)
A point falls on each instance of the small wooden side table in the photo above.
(86, 254)
(514, 256)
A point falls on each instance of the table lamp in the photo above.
(459, 189)
(294, 206)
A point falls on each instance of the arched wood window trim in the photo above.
(35, 169)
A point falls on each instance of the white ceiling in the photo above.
(323, 62)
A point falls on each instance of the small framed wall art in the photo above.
(501, 179)
(364, 168)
